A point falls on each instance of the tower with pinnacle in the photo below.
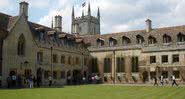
(86, 24)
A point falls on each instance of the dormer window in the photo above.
(125, 40)
(100, 42)
(140, 39)
(112, 41)
(152, 40)
(166, 39)
(181, 37)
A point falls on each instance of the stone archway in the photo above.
(76, 77)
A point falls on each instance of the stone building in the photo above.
(138, 56)
(86, 24)
(28, 49)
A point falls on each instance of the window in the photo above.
(125, 40)
(77, 61)
(40, 57)
(100, 42)
(63, 59)
(176, 74)
(54, 74)
(151, 40)
(166, 39)
(62, 75)
(94, 65)
(140, 39)
(69, 60)
(107, 65)
(135, 65)
(112, 41)
(21, 46)
(55, 58)
(120, 64)
(175, 58)
(152, 59)
(181, 37)
(164, 58)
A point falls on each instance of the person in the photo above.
(162, 80)
(34, 81)
(155, 81)
(8, 79)
(50, 80)
(174, 81)
(97, 79)
(69, 80)
(0, 80)
(30, 80)
(93, 79)
(84, 80)
(14, 79)
(19, 81)
(38, 81)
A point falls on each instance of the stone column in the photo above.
(114, 68)
(128, 69)
(101, 67)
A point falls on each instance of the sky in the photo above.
(116, 15)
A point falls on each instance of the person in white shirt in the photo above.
(50, 80)
(174, 81)
(162, 80)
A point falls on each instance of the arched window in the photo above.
(112, 41)
(100, 42)
(181, 37)
(125, 40)
(152, 40)
(21, 45)
(166, 39)
(140, 39)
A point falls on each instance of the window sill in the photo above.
(180, 43)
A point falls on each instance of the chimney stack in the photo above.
(148, 25)
(23, 8)
(58, 23)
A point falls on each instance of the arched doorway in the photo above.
(145, 76)
(76, 76)
(39, 76)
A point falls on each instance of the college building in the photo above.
(28, 48)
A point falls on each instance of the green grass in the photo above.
(96, 92)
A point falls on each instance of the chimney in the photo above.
(23, 8)
(58, 23)
(148, 25)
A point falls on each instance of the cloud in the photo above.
(119, 15)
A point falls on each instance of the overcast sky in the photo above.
(116, 15)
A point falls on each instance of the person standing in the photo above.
(174, 81)
(9, 81)
(14, 79)
(50, 80)
(162, 80)
(34, 81)
(155, 81)
(30, 80)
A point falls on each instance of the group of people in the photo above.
(161, 79)
(19, 81)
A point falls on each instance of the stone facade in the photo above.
(42, 51)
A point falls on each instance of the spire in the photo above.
(73, 13)
(89, 10)
(82, 13)
(52, 23)
(98, 14)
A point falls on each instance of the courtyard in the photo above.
(96, 92)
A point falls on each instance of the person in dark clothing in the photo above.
(155, 81)
(38, 81)
(174, 81)
(34, 81)
(19, 81)
(9, 81)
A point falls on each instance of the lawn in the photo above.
(96, 92)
